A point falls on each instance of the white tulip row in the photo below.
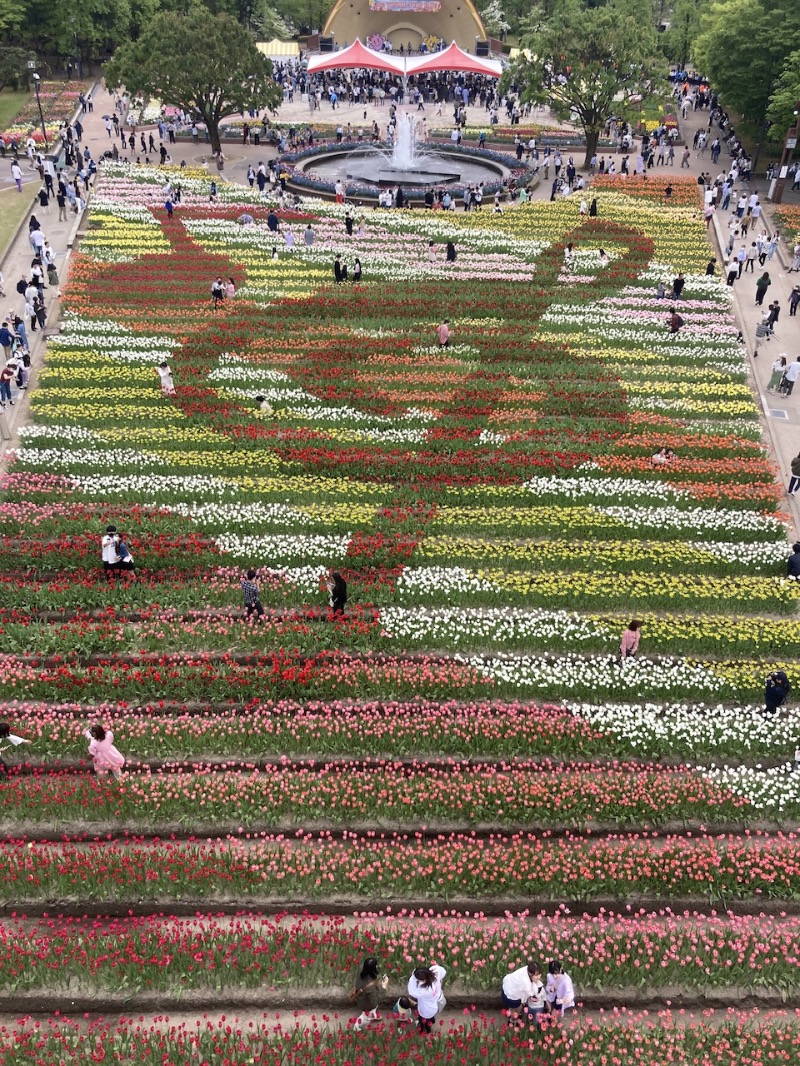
(774, 791)
(590, 486)
(694, 519)
(285, 546)
(450, 625)
(692, 728)
(642, 677)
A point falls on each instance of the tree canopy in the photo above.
(743, 46)
(783, 105)
(589, 64)
(206, 64)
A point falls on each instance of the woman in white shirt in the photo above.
(13, 740)
(523, 993)
(425, 986)
(560, 992)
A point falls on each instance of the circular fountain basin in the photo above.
(366, 168)
(371, 166)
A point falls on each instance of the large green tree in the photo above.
(684, 18)
(742, 48)
(589, 63)
(206, 64)
(782, 111)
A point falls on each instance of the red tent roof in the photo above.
(454, 58)
(356, 55)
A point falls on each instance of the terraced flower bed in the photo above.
(464, 747)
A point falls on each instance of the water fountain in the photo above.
(412, 166)
(405, 163)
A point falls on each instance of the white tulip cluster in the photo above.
(775, 791)
(642, 677)
(285, 546)
(450, 625)
(455, 579)
(695, 519)
(693, 730)
(593, 487)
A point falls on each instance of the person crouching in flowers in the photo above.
(337, 592)
(101, 747)
(629, 642)
(523, 995)
(425, 986)
(560, 992)
(367, 992)
(776, 690)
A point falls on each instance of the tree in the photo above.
(684, 22)
(782, 111)
(494, 18)
(14, 69)
(206, 64)
(742, 46)
(589, 65)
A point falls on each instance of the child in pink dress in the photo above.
(101, 748)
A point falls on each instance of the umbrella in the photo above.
(246, 220)
(104, 117)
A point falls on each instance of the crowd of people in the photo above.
(527, 997)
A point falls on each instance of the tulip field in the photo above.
(459, 768)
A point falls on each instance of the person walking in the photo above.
(794, 299)
(366, 993)
(790, 376)
(762, 285)
(7, 375)
(251, 595)
(792, 563)
(629, 642)
(778, 370)
(106, 757)
(425, 986)
(16, 174)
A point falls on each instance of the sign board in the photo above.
(791, 142)
(405, 5)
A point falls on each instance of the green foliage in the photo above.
(96, 27)
(494, 18)
(784, 101)
(12, 15)
(742, 46)
(207, 64)
(608, 58)
(684, 23)
(14, 67)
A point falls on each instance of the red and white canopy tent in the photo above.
(358, 56)
(455, 59)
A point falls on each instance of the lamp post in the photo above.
(39, 104)
(792, 134)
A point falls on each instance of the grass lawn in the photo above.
(13, 206)
(10, 103)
